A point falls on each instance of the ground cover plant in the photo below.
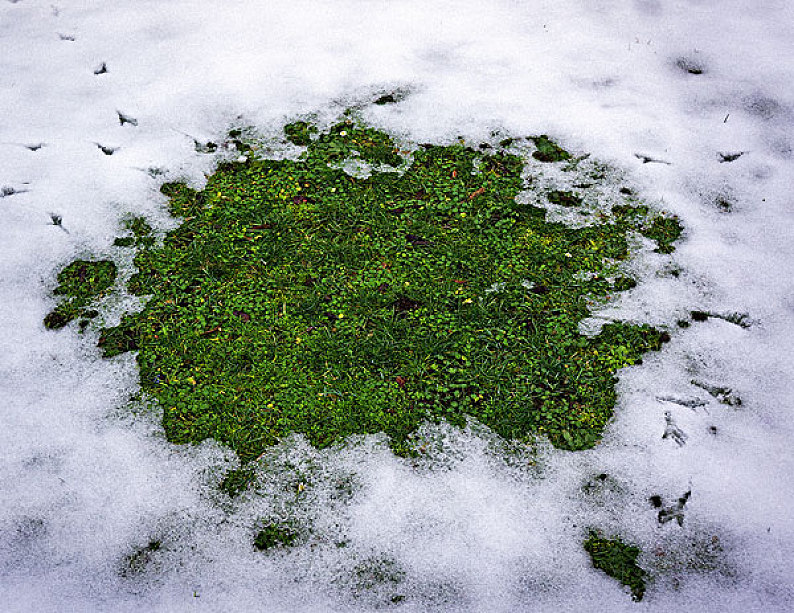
(618, 560)
(80, 283)
(295, 297)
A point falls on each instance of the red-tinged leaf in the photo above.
(475, 193)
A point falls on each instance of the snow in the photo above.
(84, 484)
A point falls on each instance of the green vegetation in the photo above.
(548, 151)
(237, 481)
(564, 198)
(81, 283)
(141, 234)
(618, 560)
(274, 535)
(297, 298)
(299, 133)
(664, 230)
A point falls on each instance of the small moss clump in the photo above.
(81, 283)
(237, 481)
(297, 298)
(665, 231)
(564, 199)
(273, 536)
(618, 560)
(141, 234)
(662, 229)
(346, 140)
(300, 133)
(548, 150)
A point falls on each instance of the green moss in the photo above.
(141, 234)
(273, 536)
(300, 133)
(664, 230)
(564, 199)
(80, 283)
(119, 339)
(296, 298)
(346, 139)
(618, 560)
(548, 150)
(623, 284)
(237, 481)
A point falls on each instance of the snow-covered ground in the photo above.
(690, 84)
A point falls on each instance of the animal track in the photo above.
(672, 431)
(690, 66)
(724, 395)
(126, 119)
(738, 319)
(670, 512)
(101, 69)
(729, 157)
(646, 159)
(7, 191)
(690, 403)
(107, 150)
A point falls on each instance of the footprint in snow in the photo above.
(126, 119)
(672, 431)
(7, 191)
(690, 403)
(107, 150)
(724, 395)
(646, 159)
(726, 156)
(670, 512)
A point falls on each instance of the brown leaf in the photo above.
(475, 193)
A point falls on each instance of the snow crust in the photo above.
(84, 484)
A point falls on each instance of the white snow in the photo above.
(84, 484)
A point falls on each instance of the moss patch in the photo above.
(618, 560)
(548, 150)
(273, 536)
(564, 199)
(300, 133)
(140, 234)
(297, 298)
(80, 283)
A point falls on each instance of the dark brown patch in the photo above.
(404, 304)
(418, 241)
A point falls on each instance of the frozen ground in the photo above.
(690, 84)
